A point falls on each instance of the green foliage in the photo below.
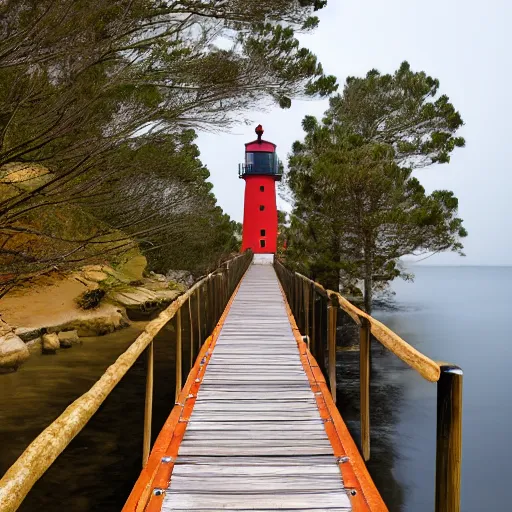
(357, 207)
(107, 97)
(403, 111)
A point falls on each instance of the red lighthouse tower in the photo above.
(260, 171)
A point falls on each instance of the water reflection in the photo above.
(386, 397)
(96, 472)
(457, 314)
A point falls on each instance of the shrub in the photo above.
(90, 299)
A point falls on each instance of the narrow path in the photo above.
(256, 439)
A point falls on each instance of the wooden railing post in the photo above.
(179, 355)
(449, 438)
(191, 326)
(305, 293)
(223, 277)
(313, 318)
(220, 291)
(148, 406)
(199, 319)
(332, 315)
(323, 339)
(209, 305)
(303, 306)
(295, 286)
(218, 297)
(364, 384)
(226, 284)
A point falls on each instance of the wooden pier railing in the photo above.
(316, 309)
(203, 303)
(316, 312)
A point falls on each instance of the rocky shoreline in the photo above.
(127, 295)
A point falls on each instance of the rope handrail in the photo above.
(426, 367)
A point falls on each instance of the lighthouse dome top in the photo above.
(259, 145)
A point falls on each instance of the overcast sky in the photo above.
(467, 45)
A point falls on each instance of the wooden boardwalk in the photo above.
(255, 439)
(260, 433)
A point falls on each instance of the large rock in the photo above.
(68, 338)
(141, 303)
(103, 320)
(158, 277)
(13, 352)
(95, 276)
(28, 333)
(180, 276)
(51, 343)
(135, 296)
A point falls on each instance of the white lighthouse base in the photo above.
(263, 259)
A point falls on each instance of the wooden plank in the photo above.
(322, 509)
(303, 425)
(259, 405)
(249, 484)
(258, 461)
(236, 394)
(244, 416)
(248, 370)
(266, 449)
(211, 396)
(251, 501)
(242, 471)
(254, 435)
(249, 389)
(271, 441)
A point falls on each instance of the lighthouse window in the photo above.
(260, 163)
(261, 207)
(262, 188)
(262, 232)
(262, 243)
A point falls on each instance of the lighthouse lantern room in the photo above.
(260, 171)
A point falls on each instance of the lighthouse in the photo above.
(260, 172)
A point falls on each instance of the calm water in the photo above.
(461, 315)
(457, 314)
(97, 470)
